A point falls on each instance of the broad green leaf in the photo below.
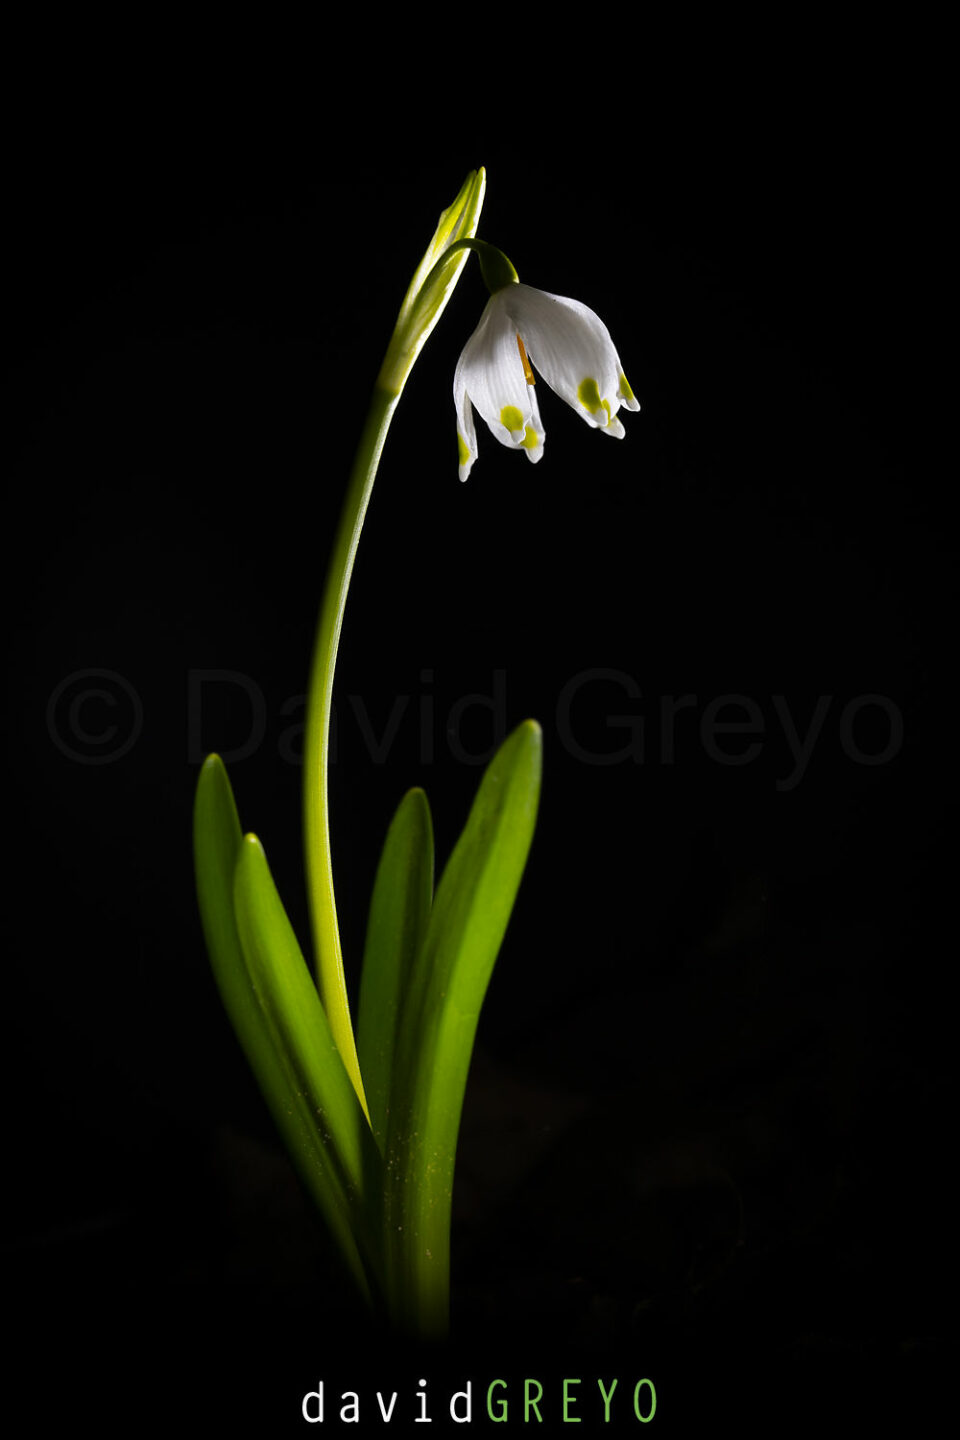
(301, 1034)
(438, 1024)
(218, 842)
(399, 912)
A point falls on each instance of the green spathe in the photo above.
(433, 283)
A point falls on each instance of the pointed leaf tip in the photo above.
(398, 916)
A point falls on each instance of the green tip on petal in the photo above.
(588, 393)
(627, 395)
(533, 444)
(465, 455)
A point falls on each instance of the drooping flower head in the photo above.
(522, 328)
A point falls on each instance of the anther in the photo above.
(527, 369)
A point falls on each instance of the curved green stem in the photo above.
(323, 906)
(422, 307)
(497, 271)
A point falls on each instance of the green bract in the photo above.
(433, 283)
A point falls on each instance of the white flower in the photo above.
(569, 345)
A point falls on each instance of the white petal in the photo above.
(572, 348)
(490, 375)
(625, 395)
(466, 436)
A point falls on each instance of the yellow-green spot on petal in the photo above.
(530, 439)
(463, 449)
(625, 391)
(511, 417)
(588, 393)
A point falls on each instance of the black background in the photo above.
(708, 1132)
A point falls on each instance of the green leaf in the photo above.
(438, 1025)
(399, 912)
(302, 1038)
(217, 842)
(218, 845)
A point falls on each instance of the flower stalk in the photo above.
(426, 298)
(316, 756)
